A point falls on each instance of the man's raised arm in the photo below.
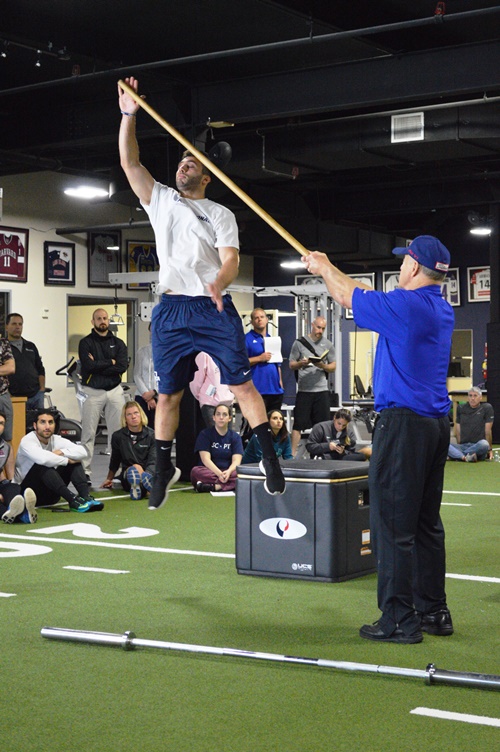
(140, 179)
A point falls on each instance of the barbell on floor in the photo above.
(128, 641)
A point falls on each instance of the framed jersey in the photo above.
(104, 257)
(478, 284)
(141, 257)
(59, 263)
(14, 254)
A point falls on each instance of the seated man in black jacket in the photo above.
(133, 449)
(103, 359)
(336, 440)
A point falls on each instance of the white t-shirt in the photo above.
(188, 233)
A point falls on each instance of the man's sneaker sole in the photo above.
(16, 507)
(175, 477)
(30, 502)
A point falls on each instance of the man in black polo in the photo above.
(29, 377)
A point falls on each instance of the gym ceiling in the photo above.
(379, 117)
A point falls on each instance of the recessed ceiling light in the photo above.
(480, 231)
(292, 265)
(86, 192)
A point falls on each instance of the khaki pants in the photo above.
(97, 400)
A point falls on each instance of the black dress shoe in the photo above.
(374, 632)
(437, 623)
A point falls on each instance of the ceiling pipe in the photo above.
(131, 224)
(259, 48)
(29, 160)
(484, 100)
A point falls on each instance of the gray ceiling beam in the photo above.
(409, 77)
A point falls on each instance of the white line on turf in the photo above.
(7, 595)
(129, 547)
(473, 577)
(451, 504)
(446, 715)
(473, 493)
(184, 552)
(96, 569)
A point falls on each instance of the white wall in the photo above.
(36, 202)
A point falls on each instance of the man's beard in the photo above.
(189, 184)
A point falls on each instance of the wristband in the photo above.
(128, 114)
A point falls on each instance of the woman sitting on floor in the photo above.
(220, 452)
(132, 449)
(280, 436)
(15, 505)
(336, 440)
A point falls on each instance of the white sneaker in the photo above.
(30, 502)
(16, 507)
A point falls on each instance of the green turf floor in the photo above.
(66, 698)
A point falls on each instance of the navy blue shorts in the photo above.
(182, 326)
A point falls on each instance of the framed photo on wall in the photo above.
(14, 254)
(451, 287)
(478, 284)
(141, 257)
(104, 257)
(368, 279)
(59, 263)
(390, 280)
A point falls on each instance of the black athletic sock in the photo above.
(68, 495)
(264, 435)
(163, 455)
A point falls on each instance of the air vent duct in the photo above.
(408, 127)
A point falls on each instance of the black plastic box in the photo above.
(317, 530)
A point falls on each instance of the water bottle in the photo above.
(496, 455)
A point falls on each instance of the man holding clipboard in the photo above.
(266, 371)
(312, 358)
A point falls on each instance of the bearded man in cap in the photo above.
(411, 435)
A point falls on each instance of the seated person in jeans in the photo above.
(473, 429)
(335, 440)
(47, 463)
(220, 451)
(133, 448)
(14, 505)
(279, 435)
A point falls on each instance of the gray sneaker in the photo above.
(472, 457)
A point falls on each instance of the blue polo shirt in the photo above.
(413, 350)
(265, 376)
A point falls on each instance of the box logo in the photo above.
(281, 527)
